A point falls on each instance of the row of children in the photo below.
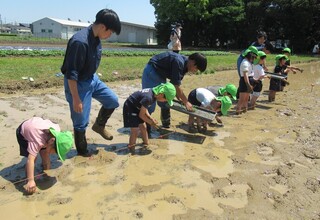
(252, 72)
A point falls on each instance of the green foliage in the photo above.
(233, 23)
(205, 22)
(30, 39)
(31, 53)
(107, 53)
(44, 69)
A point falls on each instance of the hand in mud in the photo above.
(154, 123)
(30, 187)
(219, 120)
(189, 107)
(249, 88)
(286, 82)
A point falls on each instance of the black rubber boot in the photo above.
(81, 142)
(165, 117)
(101, 121)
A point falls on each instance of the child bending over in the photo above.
(204, 98)
(135, 110)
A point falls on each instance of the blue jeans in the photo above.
(88, 89)
(150, 79)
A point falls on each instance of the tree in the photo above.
(204, 21)
(295, 20)
(216, 23)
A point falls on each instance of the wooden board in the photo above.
(276, 76)
(198, 112)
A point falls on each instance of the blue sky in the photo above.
(28, 11)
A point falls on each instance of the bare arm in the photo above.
(77, 104)
(45, 156)
(31, 185)
(145, 116)
(294, 69)
(246, 80)
(183, 98)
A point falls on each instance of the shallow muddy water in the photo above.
(263, 164)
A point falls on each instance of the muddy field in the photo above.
(264, 164)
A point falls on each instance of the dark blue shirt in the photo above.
(258, 46)
(83, 55)
(144, 97)
(170, 65)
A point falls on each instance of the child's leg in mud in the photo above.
(191, 122)
(133, 138)
(144, 134)
(272, 95)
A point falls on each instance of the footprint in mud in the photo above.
(21, 104)
(60, 201)
(140, 189)
(211, 156)
(313, 184)
(265, 151)
(172, 199)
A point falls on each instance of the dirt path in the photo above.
(261, 165)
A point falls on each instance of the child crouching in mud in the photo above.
(37, 135)
(135, 110)
(205, 98)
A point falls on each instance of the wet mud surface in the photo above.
(263, 164)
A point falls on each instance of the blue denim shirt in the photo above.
(82, 56)
(171, 66)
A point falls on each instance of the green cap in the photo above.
(279, 57)
(262, 54)
(232, 89)
(167, 89)
(288, 50)
(225, 104)
(246, 52)
(64, 141)
(253, 49)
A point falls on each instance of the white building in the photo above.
(16, 29)
(65, 29)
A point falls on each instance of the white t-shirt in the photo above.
(315, 48)
(258, 71)
(246, 66)
(204, 96)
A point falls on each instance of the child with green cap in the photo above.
(246, 82)
(250, 49)
(135, 110)
(287, 51)
(229, 90)
(205, 98)
(276, 84)
(258, 76)
(37, 135)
